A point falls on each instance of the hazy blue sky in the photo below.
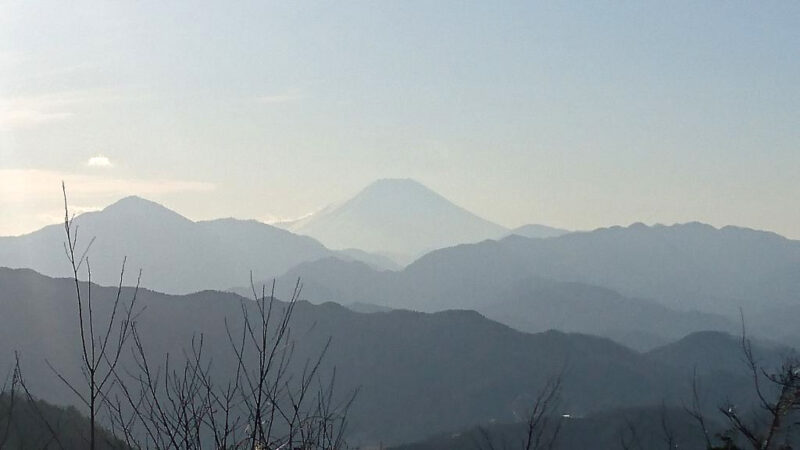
(572, 114)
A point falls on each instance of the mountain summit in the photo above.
(398, 217)
(134, 204)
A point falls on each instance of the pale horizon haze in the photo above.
(575, 115)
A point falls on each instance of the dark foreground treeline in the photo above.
(35, 424)
(29, 424)
(628, 429)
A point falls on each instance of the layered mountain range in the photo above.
(439, 342)
(418, 374)
(640, 285)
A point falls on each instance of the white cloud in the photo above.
(22, 118)
(31, 111)
(99, 161)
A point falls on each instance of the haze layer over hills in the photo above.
(398, 217)
(538, 231)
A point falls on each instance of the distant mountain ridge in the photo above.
(687, 266)
(398, 217)
(699, 273)
(175, 254)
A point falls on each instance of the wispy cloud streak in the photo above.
(24, 185)
(36, 110)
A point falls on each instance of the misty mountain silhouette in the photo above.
(398, 217)
(709, 351)
(175, 254)
(683, 267)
